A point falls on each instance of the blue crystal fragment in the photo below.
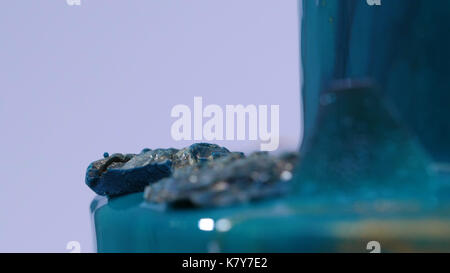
(229, 180)
(120, 174)
(119, 181)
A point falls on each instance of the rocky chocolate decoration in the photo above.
(230, 179)
(120, 174)
(200, 175)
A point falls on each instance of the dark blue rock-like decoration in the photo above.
(120, 174)
(201, 175)
(114, 176)
(229, 180)
(198, 153)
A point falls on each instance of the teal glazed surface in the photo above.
(128, 224)
(375, 101)
(401, 45)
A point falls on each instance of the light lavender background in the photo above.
(78, 81)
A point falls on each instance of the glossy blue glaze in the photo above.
(401, 46)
